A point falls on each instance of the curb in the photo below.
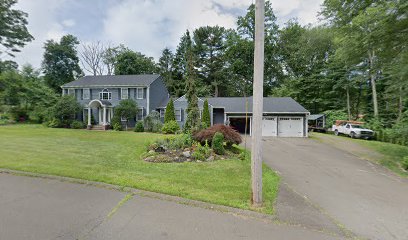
(143, 193)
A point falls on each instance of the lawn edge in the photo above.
(195, 203)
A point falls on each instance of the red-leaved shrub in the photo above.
(231, 136)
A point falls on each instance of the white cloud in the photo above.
(68, 22)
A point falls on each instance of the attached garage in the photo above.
(282, 117)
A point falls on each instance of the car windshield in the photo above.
(356, 126)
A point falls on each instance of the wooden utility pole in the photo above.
(257, 104)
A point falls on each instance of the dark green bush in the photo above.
(218, 143)
(169, 114)
(77, 124)
(170, 127)
(152, 122)
(65, 110)
(54, 123)
(139, 127)
(116, 123)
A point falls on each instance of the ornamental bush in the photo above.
(152, 122)
(116, 123)
(218, 143)
(231, 136)
(139, 127)
(201, 152)
(170, 127)
(77, 124)
(169, 115)
(205, 119)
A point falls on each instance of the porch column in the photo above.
(104, 115)
(89, 115)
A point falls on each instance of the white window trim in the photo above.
(137, 115)
(162, 112)
(179, 116)
(83, 93)
(107, 92)
(137, 93)
(122, 90)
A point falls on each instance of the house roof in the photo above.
(270, 104)
(113, 80)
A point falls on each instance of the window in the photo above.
(162, 112)
(86, 93)
(201, 113)
(71, 91)
(177, 113)
(123, 119)
(140, 114)
(105, 95)
(139, 93)
(124, 93)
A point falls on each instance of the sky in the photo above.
(147, 26)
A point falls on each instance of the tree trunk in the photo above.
(216, 90)
(371, 56)
(348, 103)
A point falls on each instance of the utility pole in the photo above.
(257, 108)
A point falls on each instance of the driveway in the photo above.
(356, 195)
(37, 208)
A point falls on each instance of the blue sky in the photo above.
(147, 26)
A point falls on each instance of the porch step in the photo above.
(97, 127)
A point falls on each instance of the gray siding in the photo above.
(158, 94)
(182, 104)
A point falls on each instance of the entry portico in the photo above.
(105, 112)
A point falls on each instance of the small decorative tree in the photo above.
(205, 118)
(169, 115)
(126, 109)
(65, 109)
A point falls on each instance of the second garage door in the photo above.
(290, 127)
(269, 126)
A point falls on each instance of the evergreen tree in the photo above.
(169, 115)
(193, 114)
(205, 118)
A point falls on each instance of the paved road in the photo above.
(367, 199)
(36, 208)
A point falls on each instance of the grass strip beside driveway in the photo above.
(114, 157)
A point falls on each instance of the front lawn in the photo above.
(114, 157)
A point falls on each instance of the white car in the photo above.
(353, 130)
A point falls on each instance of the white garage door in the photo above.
(290, 126)
(269, 126)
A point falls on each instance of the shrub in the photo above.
(116, 123)
(333, 115)
(201, 152)
(152, 122)
(126, 109)
(218, 143)
(205, 119)
(54, 123)
(231, 136)
(77, 124)
(180, 142)
(169, 114)
(170, 127)
(405, 163)
(65, 110)
(139, 127)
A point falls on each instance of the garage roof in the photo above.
(270, 104)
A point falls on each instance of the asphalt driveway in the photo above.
(356, 195)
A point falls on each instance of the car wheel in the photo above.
(352, 135)
(336, 132)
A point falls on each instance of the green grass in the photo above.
(393, 154)
(114, 157)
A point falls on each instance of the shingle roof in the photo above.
(270, 104)
(114, 80)
(315, 116)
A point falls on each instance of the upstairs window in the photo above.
(124, 93)
(140, 114)
(177, 113)
(105, 95)
(139, 93)
(86, 93)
